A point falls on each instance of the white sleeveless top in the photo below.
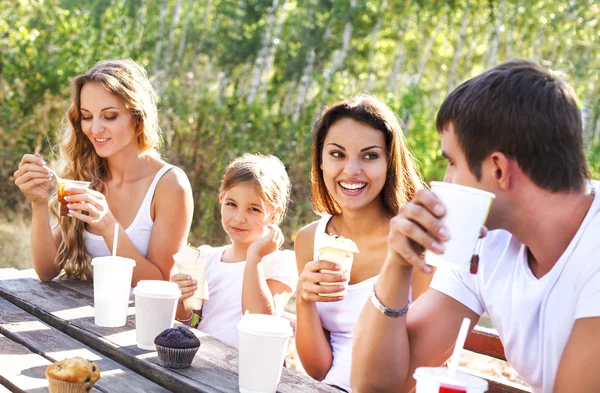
(339, 318)
(140, 229)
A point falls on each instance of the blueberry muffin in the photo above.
(72, 375)
(176, 347)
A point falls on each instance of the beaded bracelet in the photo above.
(192, 321)
(390, 312)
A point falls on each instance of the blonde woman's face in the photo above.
(354, 163)
(244, 215)
(106, 122)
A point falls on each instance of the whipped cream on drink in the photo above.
(190, 262)
(339, 250)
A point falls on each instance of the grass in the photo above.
(15, 246)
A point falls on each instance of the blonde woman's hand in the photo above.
(91, 207)
(186, 285)
(266, 244)
(33, 179)
(308, 289)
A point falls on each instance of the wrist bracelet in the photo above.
(192, 321)
(390, 312)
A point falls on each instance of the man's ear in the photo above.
(501, 170)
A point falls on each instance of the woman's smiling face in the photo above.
(354, 163)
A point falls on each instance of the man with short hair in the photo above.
(515, 131)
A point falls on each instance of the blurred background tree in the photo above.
(239, 76)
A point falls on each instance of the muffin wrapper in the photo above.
(176, 357)
(58, 386)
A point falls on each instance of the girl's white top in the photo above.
(339, 318)
(223, 310)
(140, 229)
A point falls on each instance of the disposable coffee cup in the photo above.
(155, 306)
(262, 344)
(440, 380)
(61, 192)
(338, 250)
(466, 211)
(112, 282)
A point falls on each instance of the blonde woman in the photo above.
(110, 138)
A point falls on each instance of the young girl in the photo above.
(250, 274)
(110, 139)
(362, 173)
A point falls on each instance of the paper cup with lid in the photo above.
(262, 346)
(339, 250)
(466, 212)
(112, 282)
(441, 380)
(155, 306)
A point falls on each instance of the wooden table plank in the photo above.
(23, 370)
(67, 306)
(54, 345)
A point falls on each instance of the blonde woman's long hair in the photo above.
(128, 81)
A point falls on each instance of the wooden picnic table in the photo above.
(44, 322)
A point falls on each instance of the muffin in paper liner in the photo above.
(176, 357)
(58, 386)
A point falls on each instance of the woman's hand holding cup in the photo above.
(309, 288)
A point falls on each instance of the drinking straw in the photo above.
(115, 240)
(458, 347)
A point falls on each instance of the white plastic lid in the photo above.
(265, 325)
(110, 260)
(462, 188)
(157, 289)
(441, 375)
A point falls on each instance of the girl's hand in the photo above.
(308, 283)
(266, 244)
(33, 179)
(187, 286)
(90, 207)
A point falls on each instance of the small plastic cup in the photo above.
(440, 380)
(112, 281)
(343, 258)
(466, 211)
(263, 341)
(61, 186)
(155, 307)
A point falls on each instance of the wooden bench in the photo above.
(480, 340)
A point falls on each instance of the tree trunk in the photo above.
(303, 86)
(161, 32)
(186, 24)
(139, 25)
(264, 85)
(400, 53)
(458, 50)
(428, 47)
(261, 58)
(169, 47)
(496, 37)
(339, 56)
(373, 44)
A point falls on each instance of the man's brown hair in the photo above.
(521, 110)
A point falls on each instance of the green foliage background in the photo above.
(203, 57)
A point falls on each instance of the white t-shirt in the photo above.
(534, 317)
(223, 309)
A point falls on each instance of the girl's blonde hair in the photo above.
(129, 82)
(267, 174)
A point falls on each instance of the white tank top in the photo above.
(140, 229)
(340, 318)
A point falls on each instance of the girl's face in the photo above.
(354, 163)
(105, 121)
(244, 215)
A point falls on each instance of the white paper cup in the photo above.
(344, 259)
(466, 211)
(438, 379)
(263, 341)
(155, 306)
(112, 281)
